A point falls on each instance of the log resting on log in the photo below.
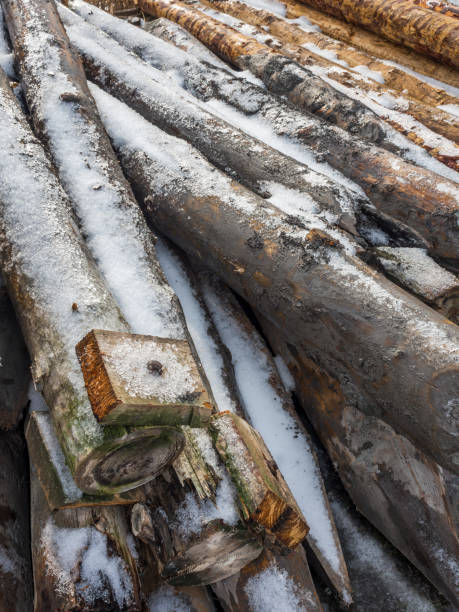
(402, 22)
(252, 588)
(397, 352)
(310, 49)
(83, 558)
(14, 365)
(15, 562)
(59, 296)
(415, 199)
(302, 87)
(379, 468)
(288, 31)
(371, 43)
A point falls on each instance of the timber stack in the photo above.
(229, 344)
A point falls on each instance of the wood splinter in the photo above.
(138, 380)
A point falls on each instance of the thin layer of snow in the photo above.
(197, 325)
(287, 379)
(273, 588)
(167, 599)
(325, 53)
(273, 6)
(374, 75)
(264, 407)
(6, 56)
(452, 109)
(85, 550)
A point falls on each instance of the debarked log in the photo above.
(397, 351)
(59, 296)
(405, 192)
(84, 559)
(402, 22)
(15, 562)
(300, 85)
(378, 467)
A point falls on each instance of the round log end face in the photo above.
(219, 554)
(130, 461)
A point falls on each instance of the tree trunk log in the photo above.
(248, 160)
(402, 22)
(15, 562)
(302, 87)
(14, 366)
(275, 573)
(410, 194)
(372, 43)
(306, 49)
(59, 296)
(439, 7)
(83, 559)
(379, 468)
(327, 302)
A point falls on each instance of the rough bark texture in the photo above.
(235, 593)
(14, 366)
(15, 562)
(372, 43)
(379, 468)
(417, 97)
(402, 22)
(82, 559)
(303, 88)
(189, 523)
(247, 159)
(59, 296)
(439, 7)
(386, 348)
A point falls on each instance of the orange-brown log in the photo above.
(402, 22)
(439, 7)
(371, 43)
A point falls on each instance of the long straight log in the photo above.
(14, 365)
(15, 562)
(58, 296)
(402, 22)
(444, 8)
(396, 188)
(301, 86)
(379, 468)
(372, 43)
(386, 349)
(83, 558)
(314, 51)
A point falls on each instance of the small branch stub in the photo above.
(140, 380)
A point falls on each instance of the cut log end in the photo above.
(140, 380)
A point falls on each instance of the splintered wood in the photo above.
(134, 379)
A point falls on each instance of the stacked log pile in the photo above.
(229, 256)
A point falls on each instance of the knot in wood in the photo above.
(155, 367)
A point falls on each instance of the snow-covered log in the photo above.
(193, 599)
(391, 482)
(15, 562)
(317, 53)
(58, 296)
(371, 43)
(279, 74)
(402, 22)
(14, 366)
(411, 194)
(397, 352)
(414, 270)
(84, 559)
(276, 579)
(163, 103)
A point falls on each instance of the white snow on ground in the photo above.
(167, 599)
(85, 550)
(273, 589)
(289, 446)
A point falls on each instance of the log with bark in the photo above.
(299, 84)
(14, 366)
(402, 22)
(411, 195)
(314, 50)
(59, 296)
(450, 10)
(15, 562)
(372, 43)
(83, 558)
(387, 349)
(379, 468)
